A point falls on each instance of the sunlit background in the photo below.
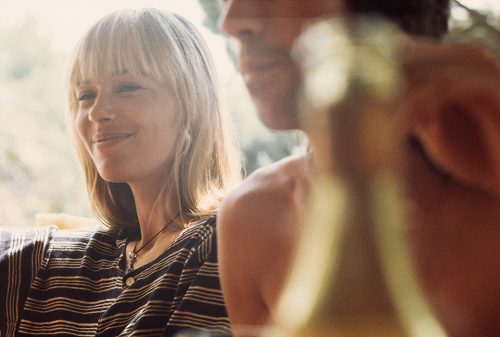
(38, 171)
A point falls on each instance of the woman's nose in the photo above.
(102, 108)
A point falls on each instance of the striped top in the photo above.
(73, 283)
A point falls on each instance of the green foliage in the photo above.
(37, 169)
(467, 25)
(20, 56)
(260, 152)
(212, 14)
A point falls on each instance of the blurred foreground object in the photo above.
(353, 274)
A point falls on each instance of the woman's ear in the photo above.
(461, 134)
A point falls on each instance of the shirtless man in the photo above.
(259, 223)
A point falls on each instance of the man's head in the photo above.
(266, 31)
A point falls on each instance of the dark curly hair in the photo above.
(418, 17)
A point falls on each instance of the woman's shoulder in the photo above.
(196, 245)
(200, 233)
(16, 240)
(22, 254)
(35, 249)
(101, 234)
(36, 240)
(99, 244)
(199, 230)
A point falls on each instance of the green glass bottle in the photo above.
(353, 274)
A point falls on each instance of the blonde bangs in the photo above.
(122, 43)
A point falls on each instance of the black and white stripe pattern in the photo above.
(73, 283)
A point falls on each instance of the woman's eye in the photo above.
(129, 88)
(87, 95)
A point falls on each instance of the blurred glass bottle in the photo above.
(353, 274)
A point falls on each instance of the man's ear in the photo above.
(462, 136)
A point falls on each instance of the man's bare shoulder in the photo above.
(269, 191)
(258, 226)
(268, 204)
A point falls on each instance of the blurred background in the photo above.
(38, 170)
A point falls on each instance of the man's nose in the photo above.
(241, 19)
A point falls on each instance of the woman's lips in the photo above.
(108, 140)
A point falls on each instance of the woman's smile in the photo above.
(127, 122)
(108, 140)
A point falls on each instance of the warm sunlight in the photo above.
(38, 172)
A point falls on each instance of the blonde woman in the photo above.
(158, 157)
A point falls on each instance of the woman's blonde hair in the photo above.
(167, 48)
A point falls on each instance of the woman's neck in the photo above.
(151, 211)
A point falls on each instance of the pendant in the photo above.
(133, 256)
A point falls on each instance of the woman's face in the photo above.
(128, 124)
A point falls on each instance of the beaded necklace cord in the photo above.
(133, 253)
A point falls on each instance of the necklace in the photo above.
(133, 253)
